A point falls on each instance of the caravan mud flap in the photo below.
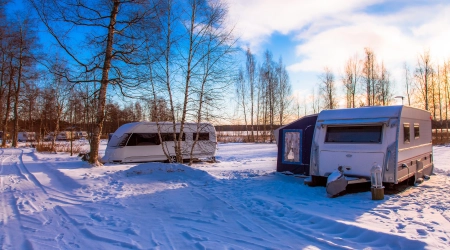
(336, 187)
(336, 183)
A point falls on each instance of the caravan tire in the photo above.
(411, 181)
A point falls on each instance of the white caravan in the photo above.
(26, 136)
(139, 142)
(81, 134)
(65, 135)
(397, 138)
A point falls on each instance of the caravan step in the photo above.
(352, 180)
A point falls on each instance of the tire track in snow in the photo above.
(34, 216)
(72, 213)
(69, 211)
(10, 219)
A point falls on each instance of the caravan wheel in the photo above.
(411, 181)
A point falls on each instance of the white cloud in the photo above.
(333, 47)
(256, 20)
(395, 39)
(327, 33)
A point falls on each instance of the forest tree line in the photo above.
(264, 96)
(367, 82)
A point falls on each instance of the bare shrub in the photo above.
(440, 137)
(58, 147)
(44, 147)
(238, 136)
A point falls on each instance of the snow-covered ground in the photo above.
(54, 201)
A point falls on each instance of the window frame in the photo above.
(406, 140)
(352, 126)
(201, 137)
(132, 136)
(284, 143)
(416, 125)
(168, 137)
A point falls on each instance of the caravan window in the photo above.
(354, 134)
(140, 139)
(416, 131)
(118, 141)
(143, 139)
(406, 133)
(201, 136)
(169, 136)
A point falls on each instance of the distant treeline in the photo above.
(243, 127)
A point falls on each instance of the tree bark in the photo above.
(17, 92)
(95, 143)
(8, 104)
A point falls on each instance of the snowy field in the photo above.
(54, 201)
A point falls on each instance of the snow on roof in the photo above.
(126, 128)
(142, 127)
(360, 113)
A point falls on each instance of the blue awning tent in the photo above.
(294, 145)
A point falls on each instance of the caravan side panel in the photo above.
(415, 144)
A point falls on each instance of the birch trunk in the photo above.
(100, 117)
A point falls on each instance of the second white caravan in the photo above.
(397, 138)
(140, 142)
(26, 136)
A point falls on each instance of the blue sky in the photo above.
(311, 35)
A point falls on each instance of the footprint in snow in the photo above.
(131, 231)
(422, 232)
(97, 217)
(60, 236)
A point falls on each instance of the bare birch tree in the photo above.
(315, 100)
(439, 101)
(422, 76)
(11, 73)
(60, 91)
(191, 66)
(242, 91)
(111, 35)
(251, 78)
(24, 38)
(383, 88)
(446, 94)
(328, 89)
(351, 78)
(407, 83)
(284, 91)
(268, 85)
(369, 74)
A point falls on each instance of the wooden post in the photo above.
(377, 193)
